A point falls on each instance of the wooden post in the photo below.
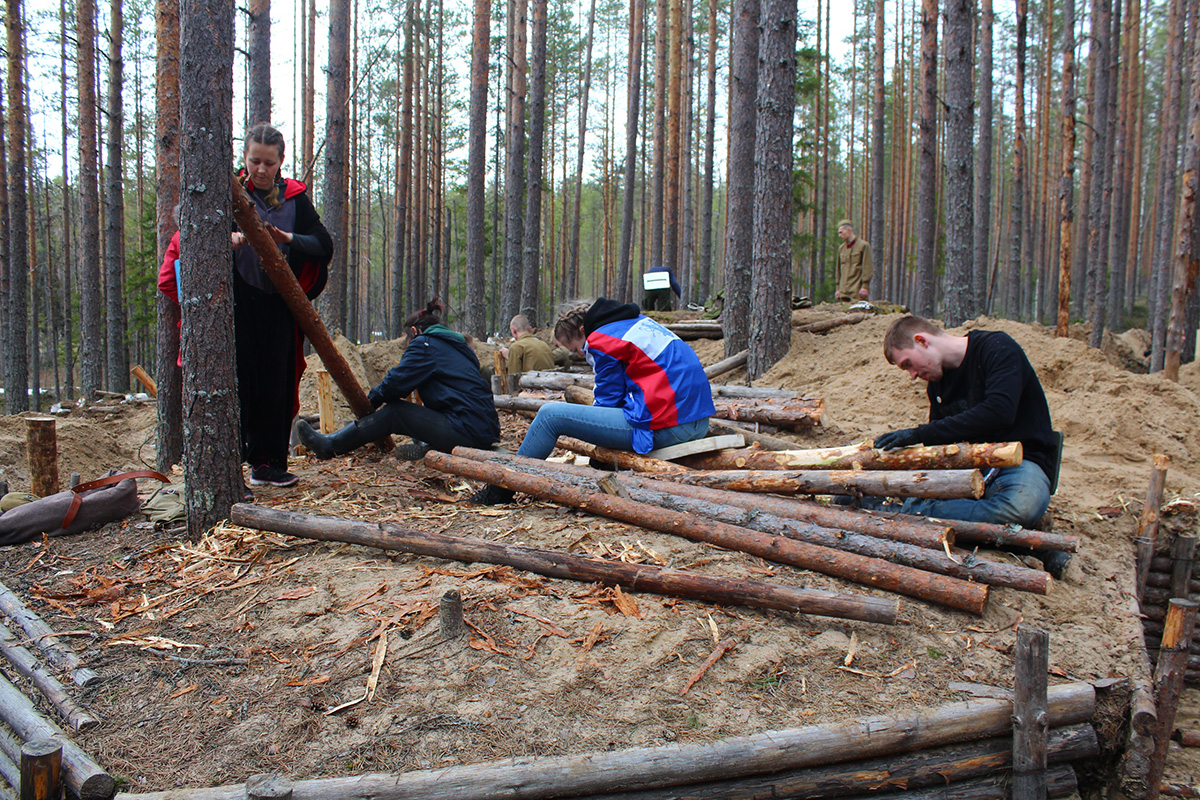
(140, 374)
(325, 402)
(1030, 719)
(499, 363)
(1147, 531)
(74, 479)
(41, 770)
(268, 786)
(42, 441)
(450, 615)
(1168, 683)
(1181, 574)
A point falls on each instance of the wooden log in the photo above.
(41, 441)
(579, 395)
(327, 422)
(689, 331)
(1030, 720)
(41, 770)
(558, 381)
(1163, 580)
(1168, 682)
(11, 774)
(708, 444)
(1156, 596)
(958, 563)
(1166, 564)
(507, 402)
(826, 325)
(25, 663)
(765, 441)
(791, 414)
(140, 374)
(864, 456)
(1179, 789)
(946, 483)
(933, 767)
(1187, 738)
(867, 570)
(82, 775)
(554, 564)
(730, 392)
(268, 786)
(1143, 716)
(590, 774)
(56, 652)
(1147, 530)
(302, 309)
(499, 363)
(1185, 553)
(622, 459)
(987, 533)
(450, 615)
(1061, 781)
(727, 364)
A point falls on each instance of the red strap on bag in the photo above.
(76, 502)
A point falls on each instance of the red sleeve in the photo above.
(166, 272)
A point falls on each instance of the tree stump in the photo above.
(41, 770)
(450, 615)
(42, 440)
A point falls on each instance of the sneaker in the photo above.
(266, 475)
(411, 452)
(247, 495)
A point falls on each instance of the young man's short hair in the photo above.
(900, 334)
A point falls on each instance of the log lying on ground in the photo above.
(681, 764)
(727, 364)
(82, 774)
(550, 379)
(302, 309)
(988, 533)
(1061, 781)
(793, 414)
(765, 441)
(848, 566)
(945, 483)
(508, 402)
(754, 392)
(57, 652)
(917, 770)
(826, 325)
(864, 456)
(27, 665)
(662, 493)
(622, 459)
(554, 564)
(697, 330)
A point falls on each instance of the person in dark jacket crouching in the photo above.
(456, 402)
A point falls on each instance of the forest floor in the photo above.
(223, 657)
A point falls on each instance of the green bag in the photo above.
(166, 504)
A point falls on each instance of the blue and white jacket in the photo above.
(645, 369)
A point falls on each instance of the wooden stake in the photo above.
(1168, 683)
(1181, 575)
(450, 615)
(325, 402)
(42, 441)
(1147, 531)
(41, 770)
(268, 786)
(1030, 720)
(140, 374)
(555, 564)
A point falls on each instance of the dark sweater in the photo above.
(993, 396)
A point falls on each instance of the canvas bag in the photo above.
(166, 504)
(87, 506)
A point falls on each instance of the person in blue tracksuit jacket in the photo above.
(651, 390)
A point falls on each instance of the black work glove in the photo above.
(375, 399)
(893, 440)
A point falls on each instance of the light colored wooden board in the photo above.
(706, 445)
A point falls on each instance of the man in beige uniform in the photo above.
(854, 265)
(528, 352)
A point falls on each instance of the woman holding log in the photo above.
(651, 390)
(456, 402)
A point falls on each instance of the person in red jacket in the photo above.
(268, 341)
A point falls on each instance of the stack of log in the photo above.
(1032, 737)
(712, 329)
(35, 740)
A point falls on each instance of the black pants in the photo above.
(424, 424)
(657, 300)
(266, 339)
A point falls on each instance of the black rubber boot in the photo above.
(491, 496)
(370, 428)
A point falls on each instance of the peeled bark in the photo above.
(634, 577)
(863, 456)
(990, 533)
(939, 484)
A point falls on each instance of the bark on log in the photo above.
(83, 775)
(1165, 580)
(1185, 554)
(558, 381)
(302, 309)
(697, 330)
(681, 764)
(622, 459)
(27, 665)
(826, 325)
(507, 402)
(10, 771)
(1179, 789)
(1143, 715)
(935, 767)
(1061, 781)
(579, 395)
(998, 535)
(1147, 531)
(761, 517)
(632, 577)
(848, 566)
(1168, 681)
(41, 441)
(767, 393)
(727, 364)
(864, 456)
(1166, 564)
(57, 652)
(792, 414)
(140, 374)
(1030, 721)
(766, 442)
(946, 483)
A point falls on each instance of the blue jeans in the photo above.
(1016, 496)
(598, 425)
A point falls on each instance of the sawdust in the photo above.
(516, 687)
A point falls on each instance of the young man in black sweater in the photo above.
(981, 388)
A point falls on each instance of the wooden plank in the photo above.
(697, 446)
(325, 402)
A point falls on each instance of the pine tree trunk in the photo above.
(476, 167)
(877, 154)
(68, 326)
(1012, 281)
(89, 200)
(334, 208)
(309, 91)
(927, 161)
(114, 268)
(671, 207)
(514, 172)
(983, 163)
(661, 49)
(532, 239)
(576, 221)
(5, 274)
(1124, 68)
(739, 197)
(632, 119)
(258, 107)
(706, 190)
(1097, 262)
(771, 324)
(960, 158)
(211, 434)
(1066, 186)
(17, 368)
